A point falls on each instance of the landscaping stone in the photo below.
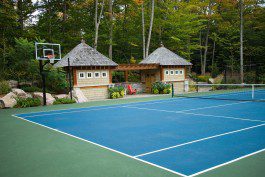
(61, 96)
(79, 96)
(49, 98)
(13, 83)
(9, 100)
(20, 93)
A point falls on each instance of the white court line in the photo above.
(180, 112)
(221, 105)
(112, 105)
(199, 140)
(225, 117)
(226, 163)
(104, 147)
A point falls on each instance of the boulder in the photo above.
(20, 93)
(13, 83)
(61, 96)
(79, 96)
(9, 100)
(49, 98)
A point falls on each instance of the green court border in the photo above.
(30, 150)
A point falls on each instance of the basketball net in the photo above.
(51, 58)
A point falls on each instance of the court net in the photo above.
(240, 92)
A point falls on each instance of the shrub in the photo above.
(202, 78)
(160, 87)
(27, 102)
(155, 91)
(116, 92)
(56, 81)
(4, 87)
(63, 101)
(31, 89)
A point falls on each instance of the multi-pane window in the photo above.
(89, 74)
(81, 75)
(104, 74)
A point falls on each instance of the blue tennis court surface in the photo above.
(186, 136)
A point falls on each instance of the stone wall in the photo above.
(95, 93)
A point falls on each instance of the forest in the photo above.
(205, 32)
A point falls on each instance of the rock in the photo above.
(2, 104)
(211, 80)
(13, 83)
(9, 100)
(20, 93)
(61, 96)
(79, 96)
(49, 98)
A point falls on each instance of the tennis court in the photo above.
(186, 136)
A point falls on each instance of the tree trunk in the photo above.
(97, 21)
(241, 43)
(213, 56)
(111, 28)
(150, 27)
(143, 30)
(201, 51)
(206, 41)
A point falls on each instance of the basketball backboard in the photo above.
(48, 51)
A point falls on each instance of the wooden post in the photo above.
(126, 76)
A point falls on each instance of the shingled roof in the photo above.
(84, 55)
(163, 56)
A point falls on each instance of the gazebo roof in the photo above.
(163, 56)
(84, 55)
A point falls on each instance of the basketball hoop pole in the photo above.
(43, 82)
(70, 80)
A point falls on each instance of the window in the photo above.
(171, 72)
(97, 74)
(177, 72)
(104, 74)
(181, 72)
(166, 72)
(81, 75)
(89, 75)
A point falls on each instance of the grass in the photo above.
(29, 150)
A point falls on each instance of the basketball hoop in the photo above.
(51, 58)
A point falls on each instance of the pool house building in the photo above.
(92, 71)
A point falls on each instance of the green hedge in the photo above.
(31, 89)
(4, 87)
(64, 101)
(27, 102)
(161, 88)
(116, 92)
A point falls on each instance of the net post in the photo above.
(253, 91)
(172, 88)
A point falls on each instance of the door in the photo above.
(149, 80)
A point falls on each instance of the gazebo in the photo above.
(91, 70)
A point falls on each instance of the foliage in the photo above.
(27, 102)
(116, 92)
(64, 101)
(31, 89)
(56, 80)
(132, 60)
(250, 77)
(4, 87)
(202, 78)
(161, 88)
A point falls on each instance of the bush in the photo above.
(116, 92)
(56, 81)
(27, 102)
(202, 78)
(63, 101)
(4, 87)
(31, 89)
(160, 87)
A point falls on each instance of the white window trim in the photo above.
(171, 72)
(96, 76)
(79, 75)
(105, 73)
(181, 72)
(166, 72)
(90, 73)
(176, 72)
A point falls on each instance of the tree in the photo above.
(97, 20)
(150, 27)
